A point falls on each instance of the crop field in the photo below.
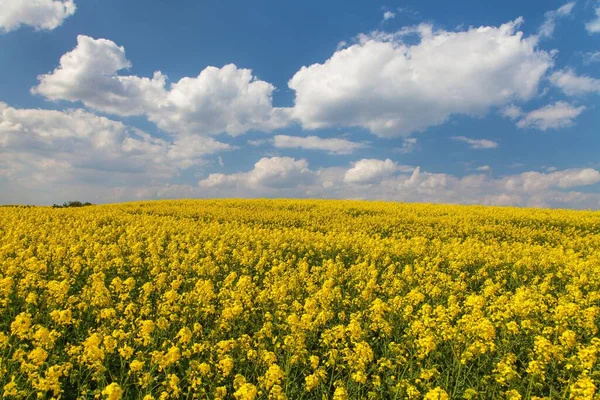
(294, 299)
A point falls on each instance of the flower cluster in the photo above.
(290, 299)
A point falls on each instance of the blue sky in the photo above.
(462, 102)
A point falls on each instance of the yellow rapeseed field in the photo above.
(290, 299)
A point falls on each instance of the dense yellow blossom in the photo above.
(113, 392)
(286, 299)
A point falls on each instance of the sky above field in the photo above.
(464, 102)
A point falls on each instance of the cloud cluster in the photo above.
(46, 147)
(218, 100)
(393, 88)
(39, 14)
(386, 180)
(381, 83)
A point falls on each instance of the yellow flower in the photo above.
(506, 369)
(225, 366)
(583, 389)
(21, 325)
(184, 335)
(10, 389)
(340, 393)
(276, 393)
(173, 355)
(113, 391)
(311, 382)
(436, 394)
(512, 327)
(145, 331)
(173, 384)
(314, 362)
(220, 392)
(3, 340)
(273, 376)
(38, 355)
(126, 352)
(136, 365)
(246, 392)
(62, 317)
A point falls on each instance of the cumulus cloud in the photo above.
(477, 143)
(393, 88)
(39, 14)
(273, 172)
(332, 146)
(593, 26)
(574, 85)
(75, 147)
(553, 116)
(368, 171)
(227, 99)
(547, 28)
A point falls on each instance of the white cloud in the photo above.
(484, 168)
(227, 99)
(186, 151)
(257, 142)
(565, 179)
(511, 111)
(593, 26)
(368, 171)
(40, 14)
(477, 143)
(279, 172)
(39, 148)
(547, 28)
(572, 84)
(393, 88)
(274, 172)
(591, 56)
(220, 180)
(553, 116)
(333, 146)
(388, 15)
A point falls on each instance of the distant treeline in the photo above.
(72, 204)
